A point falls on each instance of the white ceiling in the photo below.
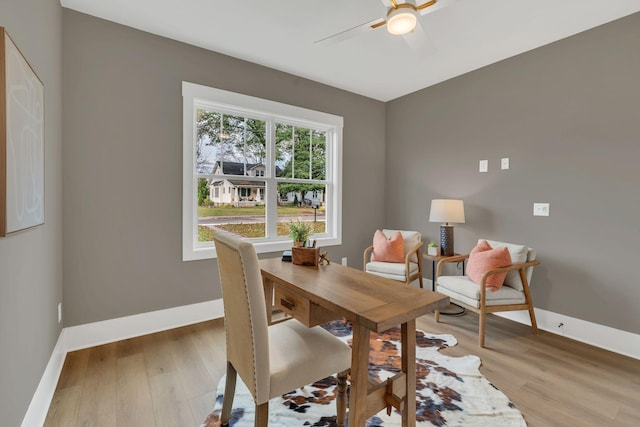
(457, 37)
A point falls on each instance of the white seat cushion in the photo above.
(465, 290)
(390, 270)
(302, 355)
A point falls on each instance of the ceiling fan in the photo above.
(401, 18)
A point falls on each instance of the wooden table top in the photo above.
(374, 302)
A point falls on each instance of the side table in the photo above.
(434, 259)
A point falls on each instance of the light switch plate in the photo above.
(504, 163)
(484, 165)
(541, 209)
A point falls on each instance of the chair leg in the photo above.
(532, 316)
(229, 391)
(437, 315)
(483, 318)
(341, 398)
(262, 415)
(527, 295)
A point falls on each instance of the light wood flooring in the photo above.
(169, 378)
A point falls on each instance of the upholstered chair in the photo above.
(270, 359)
(514, 294)
(406, 270)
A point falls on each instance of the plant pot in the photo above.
(433, 250)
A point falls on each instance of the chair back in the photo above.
(245, 313)
(411, 239)
(519, 253)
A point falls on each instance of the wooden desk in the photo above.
(371, 303)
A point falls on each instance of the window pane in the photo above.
(300, 152)
(228, 144)
(233, 205)
(304, 202)
(284, 151)
(318, 155)
(207, 135)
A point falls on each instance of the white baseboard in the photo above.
(98, 333)
(616, 340)
(37, 411)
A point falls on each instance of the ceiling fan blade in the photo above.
(426, 5)
(433, 5)
(351, 32)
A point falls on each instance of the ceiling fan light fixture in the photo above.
(401, 20)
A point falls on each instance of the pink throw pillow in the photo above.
(482, 246)
(388, 249)
(482, 259)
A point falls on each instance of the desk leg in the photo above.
(359, 376)
(408, 336)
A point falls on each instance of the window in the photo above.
(274, 163)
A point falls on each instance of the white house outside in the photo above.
(242, 192)
(237, 192)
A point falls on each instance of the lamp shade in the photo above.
(401, 20)
(447, 210)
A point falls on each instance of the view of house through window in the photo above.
(252, 166)
(231, 164)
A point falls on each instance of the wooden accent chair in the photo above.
(407, 271)
(275, 359)
(513, 295)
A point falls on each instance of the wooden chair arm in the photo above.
(454, 258)
(410, 252)
(367, 254)
(520, 266)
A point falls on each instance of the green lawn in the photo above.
(258, 210)
(205, 234)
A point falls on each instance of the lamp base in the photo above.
(446, 240)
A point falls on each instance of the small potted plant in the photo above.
(433, 249)
(299, 232)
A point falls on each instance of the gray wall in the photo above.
(122, 178)
(31, 261)
(568, 117)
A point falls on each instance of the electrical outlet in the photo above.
(59, 312)
(484, 166)
(541, 209)
(344, 260)
(504, 163)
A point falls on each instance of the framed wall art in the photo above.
(21, 141)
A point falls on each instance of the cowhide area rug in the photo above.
(450, 390)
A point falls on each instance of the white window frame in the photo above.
(195, 96)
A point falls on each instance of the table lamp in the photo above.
(446, 211)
